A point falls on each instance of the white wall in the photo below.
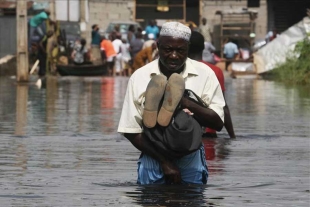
(65, 14)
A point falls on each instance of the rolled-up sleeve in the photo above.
(130, 121)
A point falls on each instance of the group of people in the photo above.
(166, 100)
(125, 55)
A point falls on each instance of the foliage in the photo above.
(296, 69)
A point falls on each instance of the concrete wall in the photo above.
(209, 7)
(7, 35)
(102, 12)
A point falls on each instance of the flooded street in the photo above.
(59, 147)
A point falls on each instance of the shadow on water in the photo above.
(164, 195)
(159, 195)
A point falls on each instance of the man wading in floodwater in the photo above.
(154, 101)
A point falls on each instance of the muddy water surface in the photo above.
(59, 147)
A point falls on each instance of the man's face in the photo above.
(172, 52)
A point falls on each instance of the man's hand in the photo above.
(188, 112)
(171, 172)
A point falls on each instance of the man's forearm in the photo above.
(228, 122)
(142, 144)
(205, 116)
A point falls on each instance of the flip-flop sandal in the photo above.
(153, 96)
(173, 94)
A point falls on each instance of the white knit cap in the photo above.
(175, 29)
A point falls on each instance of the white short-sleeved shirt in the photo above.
(117, 43)
(198, 78)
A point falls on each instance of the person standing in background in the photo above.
(35, 23)
(131, 33)
(230, 52)
(136, 45)
(195, 52)
(42, 53)
(95, 45)
(117, 43)
(205, 30)
(108, 53)
(126, 58)
(207, 54)
(152, 28)
(140, 32)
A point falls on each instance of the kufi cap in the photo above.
(175, 29)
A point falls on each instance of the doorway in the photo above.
(193, 11)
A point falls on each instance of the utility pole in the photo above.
(21, 109)
(52, 9)
(22, 41)
(83, 17)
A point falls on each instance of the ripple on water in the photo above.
(59, 147)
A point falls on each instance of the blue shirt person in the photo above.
(95, 36)
(230, 50)
(35, 24)
(38, 19)
(152, 29)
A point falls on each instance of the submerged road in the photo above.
(59, 147)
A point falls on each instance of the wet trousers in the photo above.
(193, 168)
(42, 64)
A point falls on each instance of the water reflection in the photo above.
(216, 150)
(78, 105)
(21, 158)
(165, 195)
(107, 103)
(51, 97)
(21, 109)
(55, 142)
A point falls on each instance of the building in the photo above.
(271, 13)
(183, 10)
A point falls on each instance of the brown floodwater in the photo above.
(59, 147)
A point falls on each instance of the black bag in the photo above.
(182, 136)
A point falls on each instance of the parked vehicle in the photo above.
(123, 25)
(72, 31)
